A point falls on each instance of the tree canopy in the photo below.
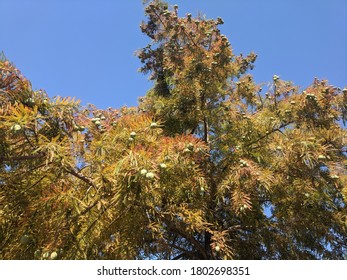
(209, 165)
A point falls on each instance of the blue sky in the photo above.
(85, 48)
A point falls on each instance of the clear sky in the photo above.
(85, 48)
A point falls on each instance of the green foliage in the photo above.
(206, 167)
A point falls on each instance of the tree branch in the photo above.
(278, 129)
(80, 176)
(189, 238)
(19, 158)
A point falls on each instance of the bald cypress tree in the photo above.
(208, 166)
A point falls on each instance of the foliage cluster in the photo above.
(206, 167)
